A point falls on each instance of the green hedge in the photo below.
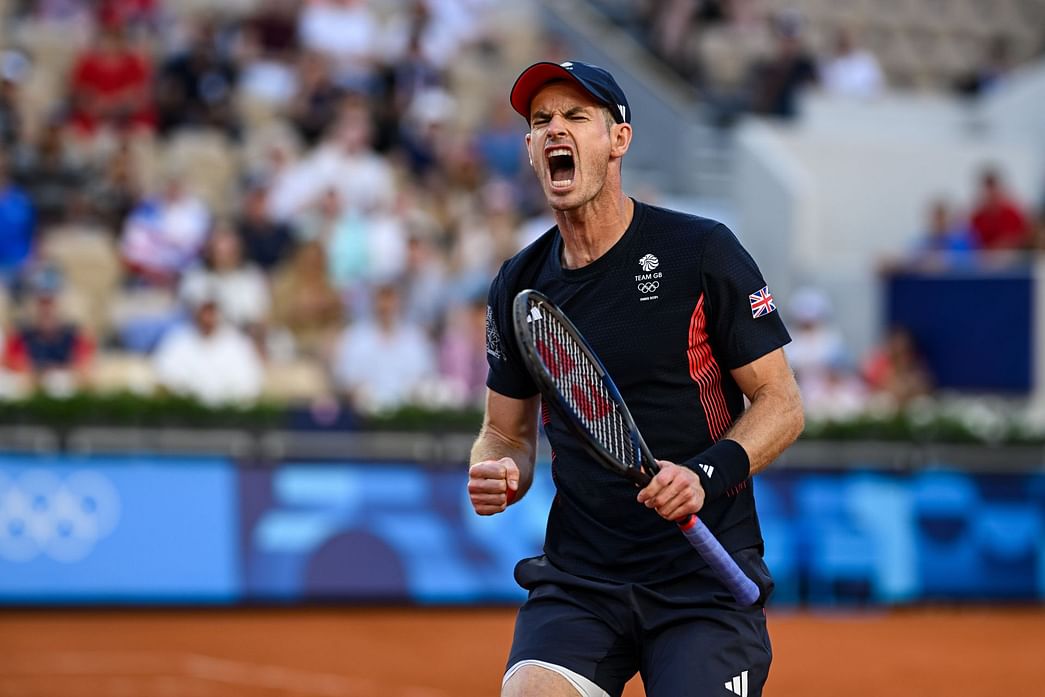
(968, 422)
(132, 410)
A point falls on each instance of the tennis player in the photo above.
(687, 327)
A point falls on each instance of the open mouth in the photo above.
(560, 167)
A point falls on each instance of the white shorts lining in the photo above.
(584, 687)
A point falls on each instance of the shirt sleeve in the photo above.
(507, 374)
(743, 321)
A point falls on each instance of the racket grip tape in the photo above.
(715, 555)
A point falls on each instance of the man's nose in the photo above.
(557, 125)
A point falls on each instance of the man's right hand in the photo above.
(492, 485)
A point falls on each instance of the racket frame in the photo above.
(646, 465)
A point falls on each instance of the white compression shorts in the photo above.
(584, 687)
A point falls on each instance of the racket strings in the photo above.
(577, 379)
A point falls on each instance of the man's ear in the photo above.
(620, 137)
(529, 155)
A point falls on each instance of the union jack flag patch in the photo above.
(761, 303)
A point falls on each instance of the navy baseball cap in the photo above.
(591, 78)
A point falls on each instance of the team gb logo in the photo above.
(649, 262)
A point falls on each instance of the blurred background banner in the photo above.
(177, 530)
(118, 530)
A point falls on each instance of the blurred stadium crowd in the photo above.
(307, 199)
(238, 199)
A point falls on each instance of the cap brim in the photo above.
(532, 80)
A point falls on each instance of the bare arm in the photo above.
(503, 454)
(774, 419)
(765, 429)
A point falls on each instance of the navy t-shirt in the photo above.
(670, 309)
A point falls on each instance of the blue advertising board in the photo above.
(400, 532)
(117, 530)
(175, 530)
(381, 532)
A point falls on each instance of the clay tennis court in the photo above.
(460, 653)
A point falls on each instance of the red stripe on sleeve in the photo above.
(704, 370)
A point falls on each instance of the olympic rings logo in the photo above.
(648, 287)
(61, 518)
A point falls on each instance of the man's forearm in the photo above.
(769, 425)
(493, 445)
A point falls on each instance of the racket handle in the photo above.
(743, 588)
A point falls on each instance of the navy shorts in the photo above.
(686, 639)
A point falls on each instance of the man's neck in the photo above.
(590, 231)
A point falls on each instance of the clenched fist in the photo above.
(492, 485)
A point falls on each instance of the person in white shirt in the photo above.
(345, 161)
(852, 71)
(241, 289)
(380, 363)
(209, 359)
(347, 31)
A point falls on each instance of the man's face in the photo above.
(569, 144)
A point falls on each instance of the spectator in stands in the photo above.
(141, 15)
(17, 225)
(497, 141)
(14, 70)
(424, 282)
(316, 104)
(55, 354)
(411, 72)
(425, 135)
(993, 69)
(673, 23)
(836, 394)
(113, 188)
(274, 25)
(998, 222)
(65, 16)
(333, 226)
(111, 86)
(439, 29)
(851, 71)
(267, 79)
(239, 286)
(382, 362)
(816, 345)
(778, 81)
(209, 359)
(51, 174)
(462, 353)
(306, 303)
(195, 87)
(896, 371)
(163, 235)
(945, 241)
(348, 32)
(266, 242)
(346, 161)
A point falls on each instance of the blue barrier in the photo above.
(403, 532)
(171, 530)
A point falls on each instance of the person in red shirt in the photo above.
(998, 222)
(112, 86)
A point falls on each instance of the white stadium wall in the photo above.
(826, 200)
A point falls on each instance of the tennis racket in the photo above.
(572, 378)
